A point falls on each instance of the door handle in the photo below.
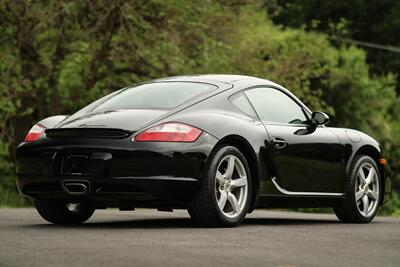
(279, 143)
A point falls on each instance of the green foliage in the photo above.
(396, 213)
(9, 198)
(392, 207)
(59, 56)
(358, 19)
(8, 195)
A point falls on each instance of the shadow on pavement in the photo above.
(286, 221)
(157, 223)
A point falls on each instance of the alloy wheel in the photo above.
(367, 189)
(231, 186)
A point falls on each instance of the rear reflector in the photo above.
(169, 132)
(383, 161)
(35, 133)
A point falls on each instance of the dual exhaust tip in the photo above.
(76, 188)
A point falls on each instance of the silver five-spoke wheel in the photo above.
(231, 187)
(362, 197)
(225, 194)
(367, 189)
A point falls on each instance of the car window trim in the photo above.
(237, 94)
(306, 111)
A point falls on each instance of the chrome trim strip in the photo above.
(292, 193)
(160, 178)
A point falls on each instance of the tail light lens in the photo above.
(169, 132)
(35, 133)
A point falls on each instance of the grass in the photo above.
(11, 199)
(396, 213)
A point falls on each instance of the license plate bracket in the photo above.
(75, 165)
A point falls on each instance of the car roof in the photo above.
(238, 82)
(219, 78)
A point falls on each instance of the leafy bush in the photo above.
(392, 206)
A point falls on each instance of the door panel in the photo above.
(310, 161)
(305, 158)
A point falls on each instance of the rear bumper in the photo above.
(162, 191)
(116, 171)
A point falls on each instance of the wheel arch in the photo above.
(375, 154)
(244, 146)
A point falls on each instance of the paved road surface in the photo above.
(149, 238)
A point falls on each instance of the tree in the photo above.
(365, 20)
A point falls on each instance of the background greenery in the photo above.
(58, 56)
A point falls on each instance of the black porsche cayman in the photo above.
(217, 145)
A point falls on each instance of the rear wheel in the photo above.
(362, 198)
(225, 193)
(62, 212)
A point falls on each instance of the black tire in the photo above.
(347, 210)
(56, 211)
(204, 209)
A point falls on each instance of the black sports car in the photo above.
(217, 145)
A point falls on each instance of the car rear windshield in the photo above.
(159, 95)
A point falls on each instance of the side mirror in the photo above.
(319, 118)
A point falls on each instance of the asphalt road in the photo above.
(150, 238)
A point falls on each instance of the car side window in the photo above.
(240, 101)
(273, 105)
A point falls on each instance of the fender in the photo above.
(355, 143)
(53, 121)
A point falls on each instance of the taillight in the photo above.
(35, 133)
(169, 132)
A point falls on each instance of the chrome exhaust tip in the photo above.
(76, 188)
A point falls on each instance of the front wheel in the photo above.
(363, 188)
(62, 212)
(224, 195)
